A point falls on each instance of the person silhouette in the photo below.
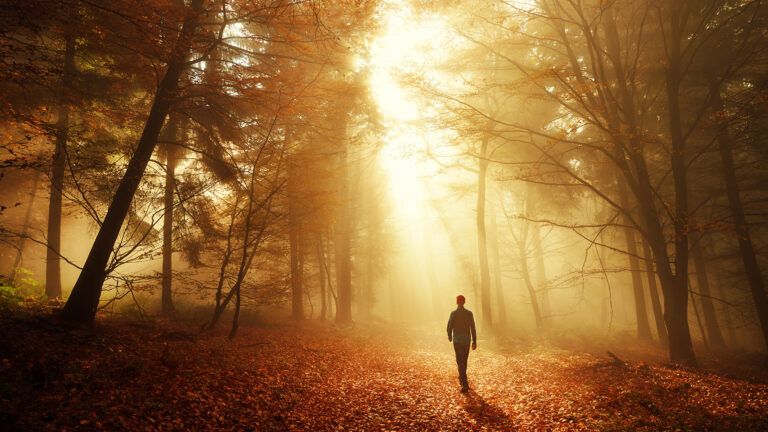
(461, 326)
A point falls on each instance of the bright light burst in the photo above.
(410, 45)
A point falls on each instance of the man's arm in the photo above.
(450, 327)
(473, 330)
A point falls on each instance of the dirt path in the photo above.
(126, 376)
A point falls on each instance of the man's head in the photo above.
(460, 300)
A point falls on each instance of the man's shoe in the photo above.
(464, 389)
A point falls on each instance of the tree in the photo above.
(82, 303)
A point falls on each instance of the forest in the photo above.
(260, 214)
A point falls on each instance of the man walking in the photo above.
(461, 325)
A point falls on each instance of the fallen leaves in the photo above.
(320, 378)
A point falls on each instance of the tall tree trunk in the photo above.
(643, 329)
(53, 251)
(714, 334)
(702, 330)
(84, 300)
(332, 302)
(650, 275)
(743, 235)
(674, 289)
(641, 313)
(236, 315)
(673, 283)
(171, 159)
(729, 328)
(297, 304)
(321, 276)
(342, 237)
(482, 247)
(541, 275)
(524, 269)
(676, 302)
(25, 229)
(497, 275)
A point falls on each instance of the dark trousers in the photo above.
(462, 354)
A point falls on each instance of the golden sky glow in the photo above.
(410, 44)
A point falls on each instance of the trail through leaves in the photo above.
(313, 377)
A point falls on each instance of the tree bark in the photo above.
(681, 348)
(702, 330)
(343, 232)
(743, 235)
(497, 275)
(524, 269)
(650, 275)
(297, 298)
(171, 154)
(643, 329)
(332, 302)
(673, 283)
(541, 275)
(711, 323)
(482, 247)
(53, 251)
(236, 315)
(84, 300)
(321, 277)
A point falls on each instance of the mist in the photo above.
(590, 176)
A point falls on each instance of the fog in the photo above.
(368, 164)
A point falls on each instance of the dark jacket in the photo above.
(460, 325)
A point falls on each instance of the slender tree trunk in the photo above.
(650, 274)
(743, 235)
(643, 329)
(727, 317)
(681, 348)
(321, 276)
(171, 154)
(333, 304)
(541, 275)
(497, 275)
(25, 229)
(246, 257)
(218, 307)
(673, 283)
(524, 269)
(84, 300)
(53, 251)
(674, 289)
(297, 304)
(702, 330)
(342, 241)
(482, 246)
(236, 316)
(714, 334)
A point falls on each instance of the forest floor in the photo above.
(156, 375)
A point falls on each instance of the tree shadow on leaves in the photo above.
(485, 414)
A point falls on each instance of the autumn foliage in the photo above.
(129, 375)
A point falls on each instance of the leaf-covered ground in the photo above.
(127, 375)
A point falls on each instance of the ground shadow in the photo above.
(486, 414)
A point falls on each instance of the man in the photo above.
(461, 325)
